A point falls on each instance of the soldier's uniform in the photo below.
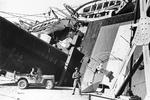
(76, 76)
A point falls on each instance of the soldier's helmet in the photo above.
(76, 68)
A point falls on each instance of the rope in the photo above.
(24, 15)
(17, 15)
(138, 83)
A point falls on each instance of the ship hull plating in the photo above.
(20, 51)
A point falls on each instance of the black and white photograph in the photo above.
(74, 49)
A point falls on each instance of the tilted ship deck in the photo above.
(20, 51)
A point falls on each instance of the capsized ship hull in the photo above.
(21, 51)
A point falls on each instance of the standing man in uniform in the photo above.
(76, 76)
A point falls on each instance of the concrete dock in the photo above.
(9, 91)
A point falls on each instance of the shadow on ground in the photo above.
(62, 88)
(55, 88)
(9, 84)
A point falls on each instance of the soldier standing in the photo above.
(76, 76)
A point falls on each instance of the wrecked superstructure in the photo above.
(111, 46)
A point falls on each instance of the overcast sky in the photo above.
(35, 6)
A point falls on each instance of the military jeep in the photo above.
(26, 80)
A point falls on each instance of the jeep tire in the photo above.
(22, 84)
(49, 84)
